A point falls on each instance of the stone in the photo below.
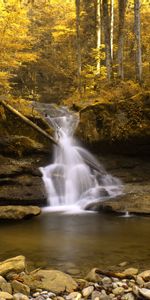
(147, 285)
(18, 212)
(145, 293)
(73, 271)
(92, 276)
(131, 271)
(74, 296)
(6, 287)
(86, 292)
(19, 296)
(145, 275)
(140, 281)
(96, 295)
(16, 264)
(106, 280)
(50, 280)
(128, 296)
(2, 281)
(19, 287)
(118, 291)
(6, 296)
(123, 264)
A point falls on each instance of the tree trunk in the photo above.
(111, 27)
(106, 22)
(137, 30)
(98, 33)
(78, 45)
(122, 9)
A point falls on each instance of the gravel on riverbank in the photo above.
(17, 284)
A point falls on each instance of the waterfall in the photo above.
(75, 177)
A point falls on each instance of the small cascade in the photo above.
(75, 177)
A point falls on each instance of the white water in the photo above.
(75, 178)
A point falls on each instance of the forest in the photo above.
(85, 49)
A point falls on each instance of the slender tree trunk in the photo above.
(106, 22)
(138, 51)
(122, 9)
(98, 33)
(78, 45)
(111, 27)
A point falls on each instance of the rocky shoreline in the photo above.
(17, 283)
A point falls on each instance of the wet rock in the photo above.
(123, 264)
(145, 293)
(131, 271)
(147, 285)
(118, 291)
(74, 296)
(2, 281)
(50, 280)
(6, 296)
(145, 275)
(16, 212)
(86, 292)
(96, 295)
(19, 296)
(19, 287)
(128, 296)
(140, 281)
(93, 276)
(106, 280)
(16, 264)
(6, 287)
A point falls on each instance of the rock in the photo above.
(145, 293)
(6, 296)
(19, 287)
(145, 275)
(106, 280)
(123, 264)
(130, 202)
(2, 281)
(14, 212)
(86, 292)
(50, 280)
(16, 264)
(118, 291)
(128, 296)
(140, 281)
(73, 271)
(96, 295)
(92, 276)
(130, 271)
(6, 287)
(19, 296)
(147, 285)
(74, 296)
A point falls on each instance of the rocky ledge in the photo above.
(18, 212)
(18, 284)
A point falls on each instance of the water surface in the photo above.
(87, 240)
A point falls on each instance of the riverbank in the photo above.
(17, 283)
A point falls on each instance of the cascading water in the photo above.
(75, 177)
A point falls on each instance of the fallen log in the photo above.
(114, 274)
(29, 122)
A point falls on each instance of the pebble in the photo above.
(74, 296)
(106, 280)
(86, 292)
(145, 293)
(19, 296)
(118, 291)
(96, 295)
(6, 295)
(147, 285)
(145, 275)
(131, 271)
(140, 281)
(123, 264)
(128, 296)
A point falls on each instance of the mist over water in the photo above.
(75, 177)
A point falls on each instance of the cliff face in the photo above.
(119, 127)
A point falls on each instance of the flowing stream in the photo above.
(75, 177)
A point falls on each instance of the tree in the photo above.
(138, 51)
(111, 26)
(106, 23)
(98, 33)
(122, 9)
(78, 44)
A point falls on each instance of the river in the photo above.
(87, 240)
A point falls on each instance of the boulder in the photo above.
(50, 280)
(16, 264)
(19, 287)
(16, 212)
(131, 203)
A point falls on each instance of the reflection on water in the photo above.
(87, 240)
